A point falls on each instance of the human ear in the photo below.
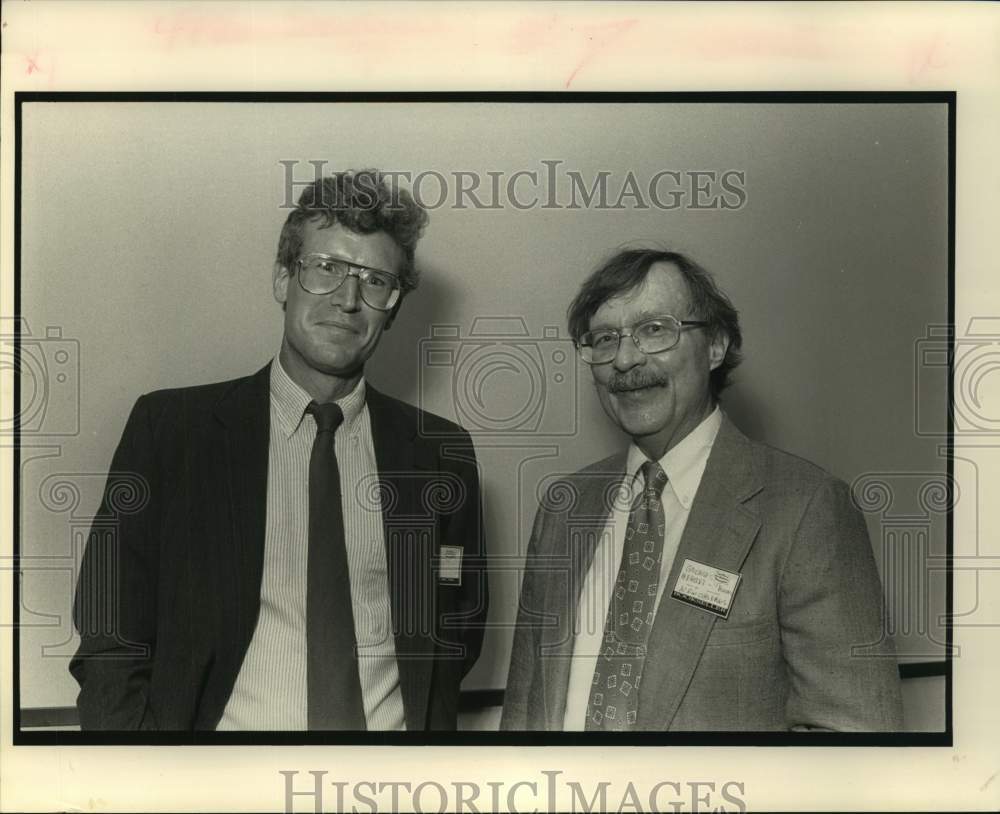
(279, 283)
(717, 350)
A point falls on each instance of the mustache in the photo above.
(624, 382)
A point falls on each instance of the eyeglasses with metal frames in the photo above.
(653, 335)
(321, 273)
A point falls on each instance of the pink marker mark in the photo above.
(926, 57)
(32, 64)
(599, 38)
(533, 33)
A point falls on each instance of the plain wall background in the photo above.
(149, 232)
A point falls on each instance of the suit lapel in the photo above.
(409, 533)
(245, 413)
(586, 520)
(719, 532)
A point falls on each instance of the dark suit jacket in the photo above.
(169, 591)
(803, 646)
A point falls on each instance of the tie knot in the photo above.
(328, 416)
(654, 476)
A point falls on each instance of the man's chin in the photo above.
(635, 423)
(343, 366)
(340, 369)
(334, 361)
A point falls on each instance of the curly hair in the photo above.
(363, 202)
(628, 268)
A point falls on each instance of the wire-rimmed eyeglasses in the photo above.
(324, 273)
(653, 335)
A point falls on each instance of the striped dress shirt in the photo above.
(270, 690)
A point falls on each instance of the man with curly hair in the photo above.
(697, 580)
(294, 565)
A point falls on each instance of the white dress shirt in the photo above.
(684, 465)
(270, 690)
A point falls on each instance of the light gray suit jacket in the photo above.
(804, 645)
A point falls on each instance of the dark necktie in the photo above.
(333, 684)
(614, 693)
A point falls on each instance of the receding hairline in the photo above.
(666, 266)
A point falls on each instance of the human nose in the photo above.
(348, 294)
(628, 354)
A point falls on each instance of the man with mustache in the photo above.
(697, 580)
(304, 553)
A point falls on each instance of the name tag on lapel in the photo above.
(706, 587)
(450, 565)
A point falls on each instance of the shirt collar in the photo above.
(290, 401)
(684, 463)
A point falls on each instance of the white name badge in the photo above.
(450, 568)
(706, 587)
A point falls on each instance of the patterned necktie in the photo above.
(614, 692)
(332, 680)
